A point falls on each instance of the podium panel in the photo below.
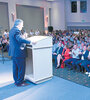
(39, 60)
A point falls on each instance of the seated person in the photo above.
(37, 32)
(3, 41)
(75, 56)
(6, 33)
(0, 45)
(24, 34)
(57, 53)
(6, 48)
(31, 32)
(65, 55)
(61, 56)
(0, 42)
(83, 56)
(85, 64)
(89, 47)
(55, 45)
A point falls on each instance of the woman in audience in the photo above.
(65, 55)
(61, 56)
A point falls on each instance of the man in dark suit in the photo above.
(86, 64)
(57, 52)
(17, 50)
(83, 56)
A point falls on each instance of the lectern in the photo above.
(39, 59)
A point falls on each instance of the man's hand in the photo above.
(70, 52)
(80, 52)
(54, 54)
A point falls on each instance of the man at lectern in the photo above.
(17, 50)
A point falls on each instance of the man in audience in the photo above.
(57, 53)
(37, 32)
(6, 33)
(75, 56)
(83, 56)
(31, 32)
(4, 42)
(86, 64)
(55, 45)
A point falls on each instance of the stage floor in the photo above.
(54, 89)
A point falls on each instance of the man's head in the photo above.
(19, 24)
(56, 41)
(65, 46)
(85, 48)
(59, 44)
(82, 44)
(75, 46)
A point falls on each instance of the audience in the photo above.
(86, 64)
(70, 47)
(76, 47)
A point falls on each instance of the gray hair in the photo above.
(17, 22)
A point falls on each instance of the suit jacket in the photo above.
(85, 55)
(60, 50)
(16, 42)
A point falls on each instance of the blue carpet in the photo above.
(55, 89)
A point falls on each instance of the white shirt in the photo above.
(25, 35)
(54, 47)
(5, 34)
(31, 33)
(75, 53)
(89, 55)
(83, 56)
(37, 33)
